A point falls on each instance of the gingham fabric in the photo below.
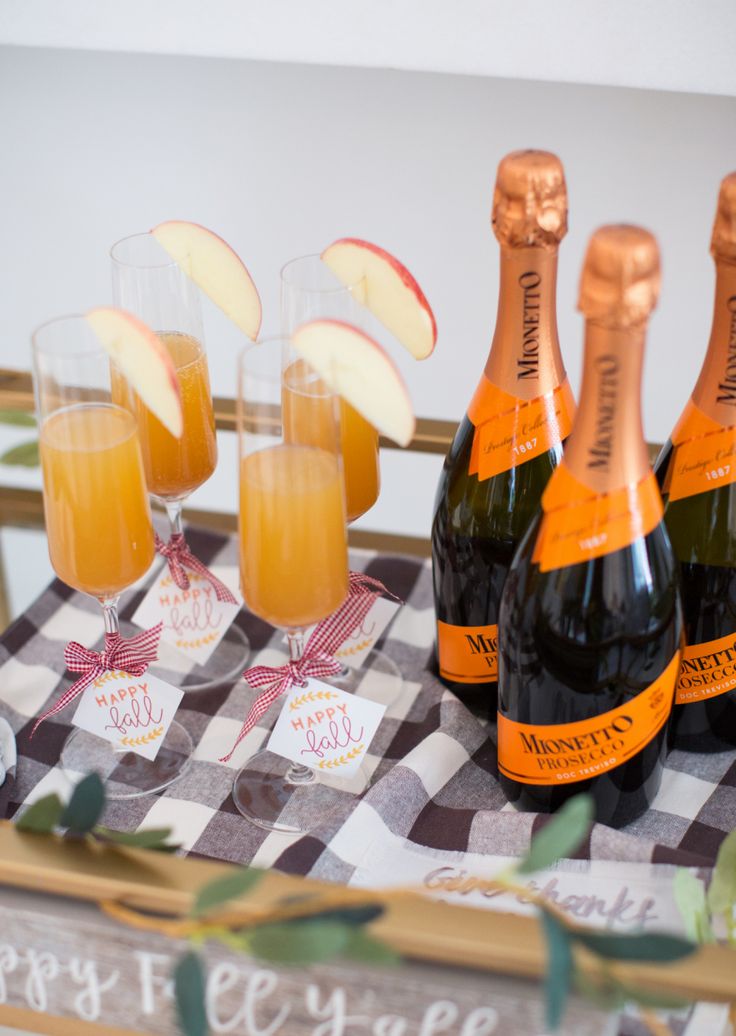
(432, 764)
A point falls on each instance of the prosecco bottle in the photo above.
(510, 441)
(697, 472)
(590, 626)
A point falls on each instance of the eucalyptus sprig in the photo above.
(315, 935)
(24, 454)
(561, 837)
(318, 927)
(296, 931)
(79, 819)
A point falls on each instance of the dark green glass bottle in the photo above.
(510, 441)
(590, 626)
(697, 472)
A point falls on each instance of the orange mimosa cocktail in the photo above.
(100, 536)
(308, 419)
(97, 514)
(153, 279)
(293, 559)
(293, 549)
(359, 441)
(176, 467)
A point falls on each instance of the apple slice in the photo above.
(143, 360)
(358, 369)
(215, 268)
(389, 291)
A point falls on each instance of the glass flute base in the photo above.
(226, 665)
(278, 795)
(127, 775)
(379, 679)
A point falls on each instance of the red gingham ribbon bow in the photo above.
(179, 558)
(318, 657)
(129, 656)
(360, 584)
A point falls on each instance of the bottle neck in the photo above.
(525, 358)
(715, 389)
(606, 448)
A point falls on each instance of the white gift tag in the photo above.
(324, 728)
(194, 620)
(133, 713)
(361, 641)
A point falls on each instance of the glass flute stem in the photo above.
(110, 614)
(297, 774)
(173, 510)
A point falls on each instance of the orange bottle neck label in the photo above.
(579, 524)
(467, 654)
(510, 430)
(707, 670)
(564, 753)
(703, 455)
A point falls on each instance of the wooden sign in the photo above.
(66, 967)
(71, 962)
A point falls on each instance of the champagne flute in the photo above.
(98, 521)
(293, 561)
(311, 291)
(148, 283)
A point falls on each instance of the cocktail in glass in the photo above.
(98, 520)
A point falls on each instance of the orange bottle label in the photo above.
(563, 753)
(707, 670)
(467, 654)
(703, 457)
(578, 524)
(510, 431)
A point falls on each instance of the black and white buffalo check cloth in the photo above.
(432, 764)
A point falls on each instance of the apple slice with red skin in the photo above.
(356, 367)
(143, 359)
(215, 268)
(387, 289)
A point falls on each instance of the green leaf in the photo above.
(561, 836)
(691, 902)
(610, 994)
(222, 890)
(17, 417)
(24, 455)
(643, 946)
(85, 806)
(722, 891)
(239, 940)
(43, 816)
(309, 942)
(599, 989)
(559, 969)
(150, 838)
(364, 948)
(355, 916)
(645, 998)
(189, 988)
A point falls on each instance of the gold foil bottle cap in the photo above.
(530, 200)
(619, 285)
(723, 240)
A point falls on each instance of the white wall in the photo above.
(659, 45)
(281, 159)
